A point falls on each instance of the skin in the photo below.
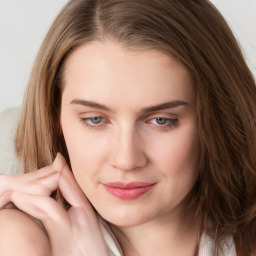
(31, 240)
(117, 127)
(72, 232)
(113, 134)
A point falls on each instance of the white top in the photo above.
(206, 247)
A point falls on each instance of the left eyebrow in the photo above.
(91, 104)
(171, 104)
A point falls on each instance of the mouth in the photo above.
(128, 191)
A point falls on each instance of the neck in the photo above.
(165, 238)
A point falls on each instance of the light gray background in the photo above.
(24, 23)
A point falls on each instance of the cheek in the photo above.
(87, 153)
(179, 155)
(84, 159)
(178, 161)
(84, 153)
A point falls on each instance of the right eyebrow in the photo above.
(88, 103)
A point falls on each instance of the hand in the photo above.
(73, 232)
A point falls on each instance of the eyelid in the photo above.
(86, 116)
(163, 115)
(172, 121)
(91, 113)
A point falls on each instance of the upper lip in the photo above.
(130, 185)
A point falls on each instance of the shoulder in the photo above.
(20, 235)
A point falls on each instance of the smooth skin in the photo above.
(72, 232)
(133, 122)
(15, 239)
(127, 115)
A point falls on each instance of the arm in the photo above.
(73, 232)
(20, 235)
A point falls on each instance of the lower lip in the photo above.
(128, 193)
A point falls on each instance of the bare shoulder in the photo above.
(20, 235)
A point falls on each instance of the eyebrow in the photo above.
(166, 105)
(88, 103)
(171, 104)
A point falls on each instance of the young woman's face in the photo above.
(128, 119)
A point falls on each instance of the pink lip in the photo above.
(128, 191)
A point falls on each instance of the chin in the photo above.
(129, 218)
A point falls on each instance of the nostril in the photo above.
(129, 162)
(127, 150)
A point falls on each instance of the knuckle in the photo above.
(5, 198)
(48, 208)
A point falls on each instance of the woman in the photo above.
(153, 108)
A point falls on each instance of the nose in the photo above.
(128, 153)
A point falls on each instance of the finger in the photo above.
(40, 207)
(68, 186)
(68, 235)
(54, 217)
(89, 230)
(43, 181)
(82, 216)
(4, 181)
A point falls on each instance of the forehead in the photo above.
(106, 70)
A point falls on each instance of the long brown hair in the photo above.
(223, 199)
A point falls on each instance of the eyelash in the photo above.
(93, 126)
(170, 122)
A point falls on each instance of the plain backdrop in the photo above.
(24, 23)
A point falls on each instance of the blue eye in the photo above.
(161, 120)
(95, 120)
